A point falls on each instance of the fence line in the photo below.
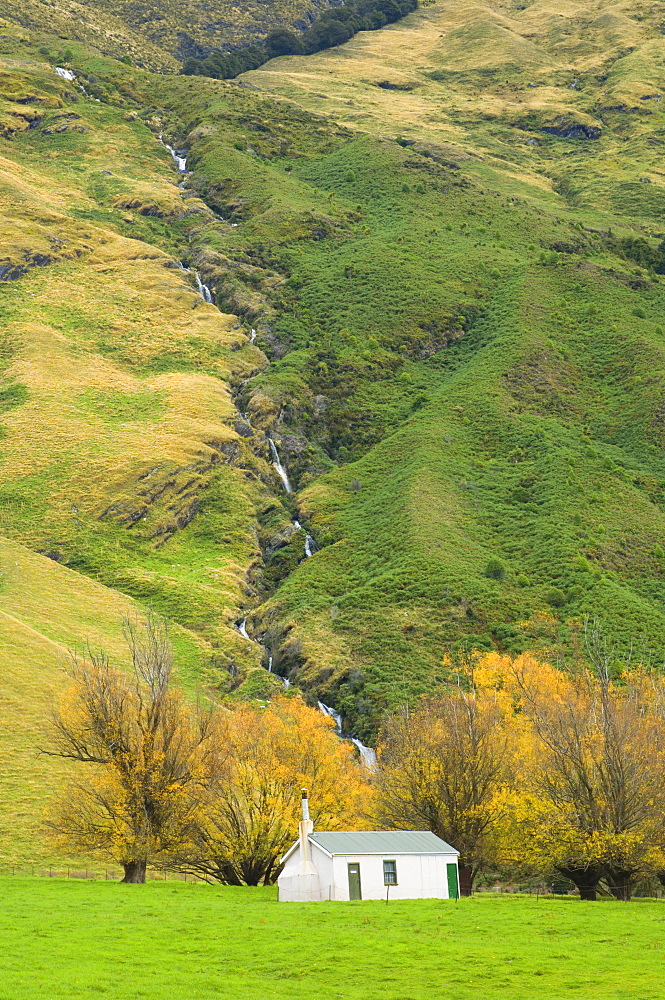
(655, 892)
(91, 874)
(116, 875)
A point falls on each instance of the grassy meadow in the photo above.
(80, 939)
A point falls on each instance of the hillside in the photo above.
(47, 612)
(446, 235)
(161, 34)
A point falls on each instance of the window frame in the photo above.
(392, 872)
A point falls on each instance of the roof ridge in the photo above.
(380, 841)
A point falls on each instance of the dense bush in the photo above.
(641, 251)
(495, 569)
(333, 27)
(555, 597)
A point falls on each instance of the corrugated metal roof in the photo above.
(381, 842)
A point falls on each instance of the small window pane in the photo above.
(390, 873)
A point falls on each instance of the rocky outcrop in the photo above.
(567, 128)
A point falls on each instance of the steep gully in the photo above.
(367, 754)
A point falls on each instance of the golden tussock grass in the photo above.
(46, 611)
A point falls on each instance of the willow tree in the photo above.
(252, 790)
(445, 767)
(141, 750)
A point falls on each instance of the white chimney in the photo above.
(305, 827)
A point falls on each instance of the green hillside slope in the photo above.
(447, 237)
(46, 612)
(158, 35)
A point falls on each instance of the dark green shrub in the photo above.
(283, 42)
(495, 569)
(555, 597)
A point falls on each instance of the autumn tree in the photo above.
(252, 789)
(143, 750)
(593, 776)
(445, 766)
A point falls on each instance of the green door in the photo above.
(453, 886)
(354, 881)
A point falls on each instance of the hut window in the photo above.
(390, 873)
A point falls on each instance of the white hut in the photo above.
(367, 864)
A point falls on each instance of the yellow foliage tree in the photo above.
(250, 810)
(447, 767)
(592, 751)
(145, 750)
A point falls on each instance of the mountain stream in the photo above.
(367, 755)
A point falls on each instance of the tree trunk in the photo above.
(620, 883)
(465, 880)
(586, 879)
(134, 871)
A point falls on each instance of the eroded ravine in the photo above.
(366, 754)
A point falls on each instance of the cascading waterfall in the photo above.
(241, 627)
(204, 290)
(178, 158)
(310, 545)
(332, 714)
(70, 76)
(367, 755)
(281, 471)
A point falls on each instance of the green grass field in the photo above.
(71, 940)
